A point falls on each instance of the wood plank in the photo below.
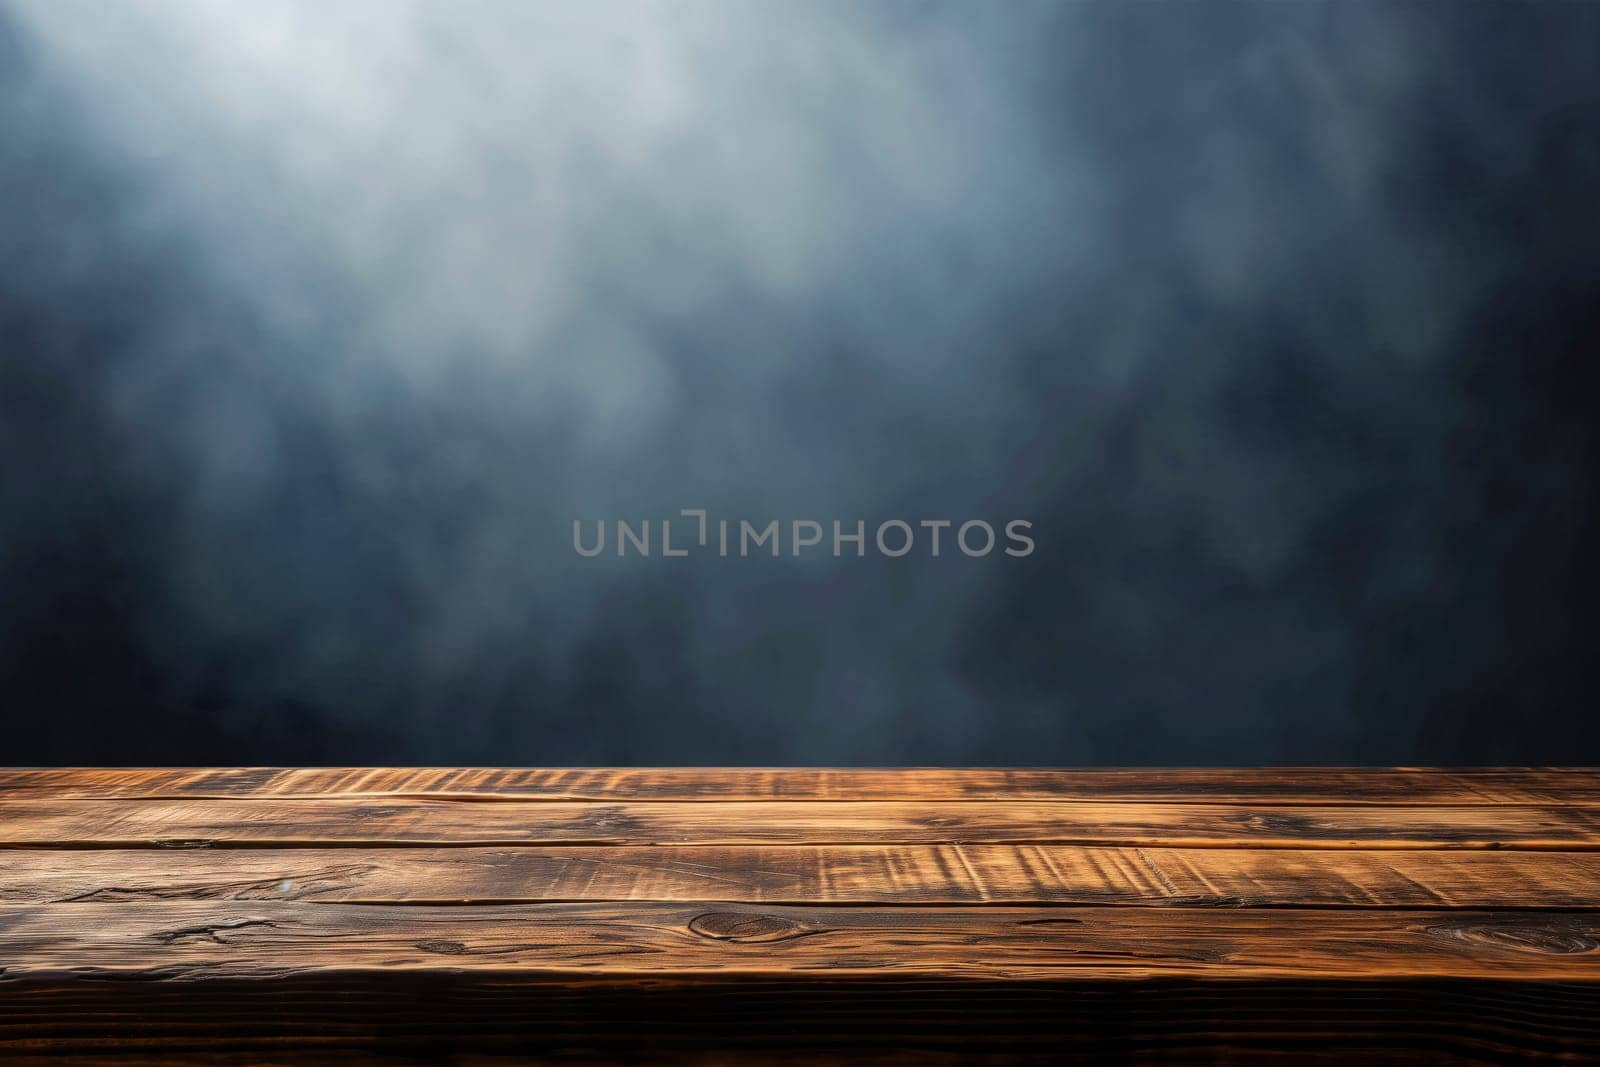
(859, 874)
(180, 941)
(707, 914)
(273, 822)
(1278, 786)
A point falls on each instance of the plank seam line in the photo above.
(548, 798)
(313, 844)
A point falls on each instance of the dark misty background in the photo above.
(321, 321)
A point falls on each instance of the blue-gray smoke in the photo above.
(321, 320)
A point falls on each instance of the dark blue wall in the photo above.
(320, 323)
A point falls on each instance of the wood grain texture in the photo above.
(805, 874)
(1285, 785)
(260, 915)
(273, 939)
(274, 822)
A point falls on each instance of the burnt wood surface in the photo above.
(263, 916)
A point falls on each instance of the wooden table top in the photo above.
(266, 915)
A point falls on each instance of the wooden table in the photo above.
(288, 916)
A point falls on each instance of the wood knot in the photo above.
(744, 928)
(1282, 823)
(443, 948)
(1518, 937)
(209, 931)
